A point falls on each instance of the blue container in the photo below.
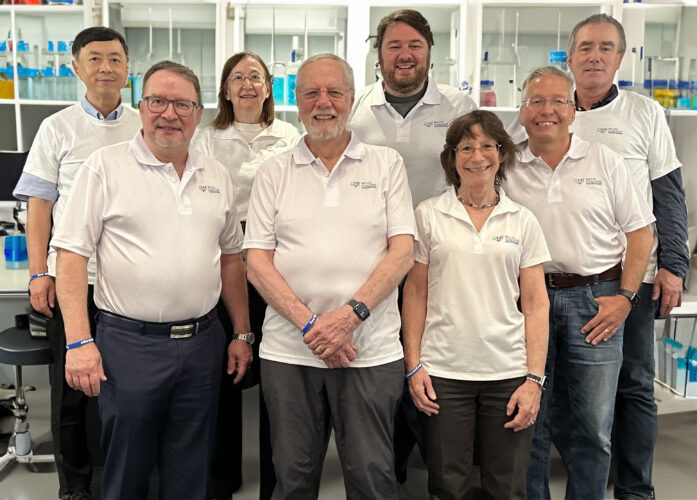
(16, 252)
(278, 89)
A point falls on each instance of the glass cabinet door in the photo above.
(284, 35)
(517, 38)
(184, 32)
(445, 25)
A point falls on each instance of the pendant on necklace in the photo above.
(473, 205)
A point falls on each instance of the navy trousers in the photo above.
(158, 407)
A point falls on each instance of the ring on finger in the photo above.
(607, 331)
(320, 349)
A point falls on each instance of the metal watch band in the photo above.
(247, 337)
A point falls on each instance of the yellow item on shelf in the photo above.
(7, 89)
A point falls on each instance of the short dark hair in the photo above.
(598, 19)
(97, 34)
(226, 111)
(407, 16)
(461, 128)
(177, 68)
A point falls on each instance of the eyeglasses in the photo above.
(332, 94)
(484, 148)
(238, 79)
(539, 102)
(181, 107)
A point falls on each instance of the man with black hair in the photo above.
(63, 142)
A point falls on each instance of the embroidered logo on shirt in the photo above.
(506, 239)
(512, 239)
(363, 185)
(210, 189)
(610, 130)
(588, 181)
(436, 124)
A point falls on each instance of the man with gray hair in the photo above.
(635, 127)
(161, 219)
(584, 198)
(329, 236)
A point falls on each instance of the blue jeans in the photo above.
(577, 407)
(636, 413)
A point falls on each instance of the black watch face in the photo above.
(362, 311)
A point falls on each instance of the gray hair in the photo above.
(348, 71)
(177, 68)
(598, 19)
(548, 70)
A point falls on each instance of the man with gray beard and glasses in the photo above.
(329, 236)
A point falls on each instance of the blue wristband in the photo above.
(414, 370)
(37, 275)
(79, 343)
(309, 325)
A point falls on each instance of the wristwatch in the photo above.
(539, 380)
(247, 337)
(360, 309)
(633, 297)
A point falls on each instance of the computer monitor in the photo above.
(11, 165)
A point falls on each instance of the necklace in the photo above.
(472, 205)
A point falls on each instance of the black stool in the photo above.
(18, 348)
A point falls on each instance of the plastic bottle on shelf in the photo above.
(487, 95)
(684, 101)
(296, 57)
(558, 58)
(26, 74)
(67, 86)
(279, 83)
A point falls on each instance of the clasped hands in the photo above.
(330, 337)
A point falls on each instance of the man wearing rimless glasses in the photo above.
(586, 202)
(161, 218)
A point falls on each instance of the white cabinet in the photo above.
(37, 66)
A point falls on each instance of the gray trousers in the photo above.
(359, 404)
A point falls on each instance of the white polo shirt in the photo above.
(474, 330)
(419, 137)
(636, 127)
(62, 144)
(584, 205)
(158, 239)
(242, 159)
(328, 232)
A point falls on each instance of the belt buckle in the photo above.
(183, 331)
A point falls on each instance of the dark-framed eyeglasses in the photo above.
(484, 148)
(181, 107)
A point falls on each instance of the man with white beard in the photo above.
(329, 236)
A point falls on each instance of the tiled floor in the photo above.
(675, 469)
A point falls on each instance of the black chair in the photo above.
(19, 348)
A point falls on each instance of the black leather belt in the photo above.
(173, 330)
(565, 280)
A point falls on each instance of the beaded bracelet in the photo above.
(309, 325)
(413, 371)
(37, 275)
(79, 343)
